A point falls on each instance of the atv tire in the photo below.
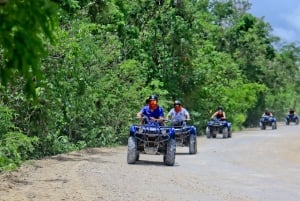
(262, 126)
(169, 157)
(208, 132)
(225, 132)
(132, 154)
(193, 144)
(274, 125)
(230, 133)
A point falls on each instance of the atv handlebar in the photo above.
(152, 119)
(218, 119)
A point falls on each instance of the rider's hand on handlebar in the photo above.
(153, 119)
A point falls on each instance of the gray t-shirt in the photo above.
(178, 116)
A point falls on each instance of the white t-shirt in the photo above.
(178, 116)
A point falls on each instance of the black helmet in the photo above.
(220, 108)
(153, 97)
(177, 102)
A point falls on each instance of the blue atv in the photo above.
(218, 126)
(291, 118)
(267, 121)
(185, 135)
(151, 138)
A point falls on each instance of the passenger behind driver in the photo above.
(178, 114)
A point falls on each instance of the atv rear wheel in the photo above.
(132, 154)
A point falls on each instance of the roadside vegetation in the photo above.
(74, 73)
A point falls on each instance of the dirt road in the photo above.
(253, 165)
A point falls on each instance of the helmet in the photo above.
(220, 108)
(153, 97)
(177, 102)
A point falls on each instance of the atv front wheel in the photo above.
(132, 154)
(262, 126)
(225, 132)
(169, 157)
(229, 133)
(274, 125)
(193, 144)
(208, 132)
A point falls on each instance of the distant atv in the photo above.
(266, 121)
(185, 135)
(151, 138)
(218, 126)
(291, 118)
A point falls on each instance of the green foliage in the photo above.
(216, 75)
(69, 5)
(239, 100)
(15, 148)
(23, 38)
(57, 144)
(6, 116)
(282, 101)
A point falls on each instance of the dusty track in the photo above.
(253, 165)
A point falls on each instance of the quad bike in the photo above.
(291, 118)
(267, 121)
(185, 135)
(218, 126)
(151, 138)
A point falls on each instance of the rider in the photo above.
(219, 114)
(152, 111)
(267, 113)
(292, 112)
(178, 114)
